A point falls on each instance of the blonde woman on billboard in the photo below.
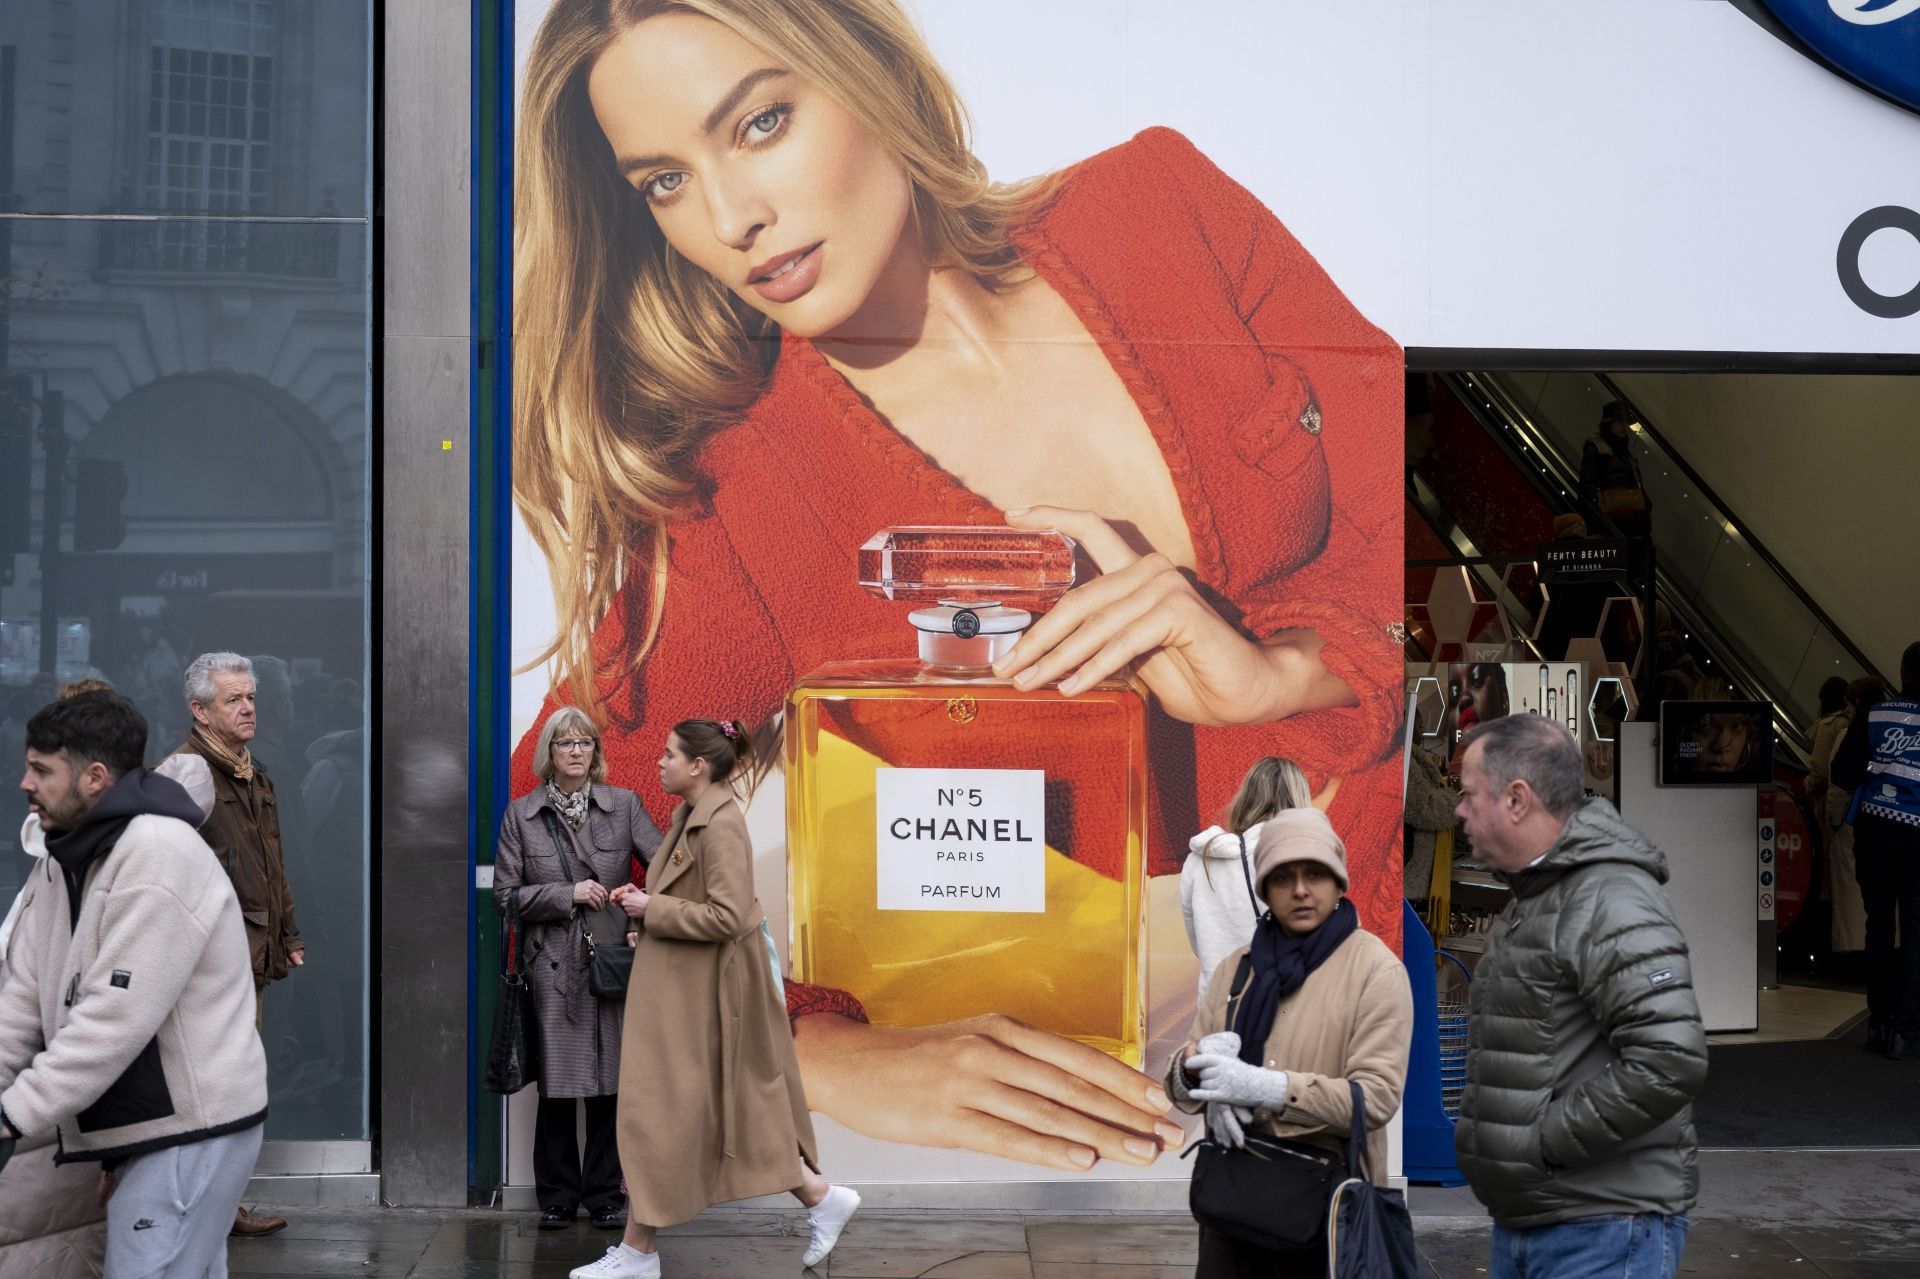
(767, 302)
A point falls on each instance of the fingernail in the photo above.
(1081, 1156)
(1157, 1098)
(1025, 678)
(1169, 1134)
(1139, 1149)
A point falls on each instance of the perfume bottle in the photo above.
(1542, 707)
(1552, 711)
(1572, 700)
(957, 845)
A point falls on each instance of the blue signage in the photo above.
(1874, 43)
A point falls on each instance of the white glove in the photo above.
(1227, 1124)
(1231, 1080)
(1224, 1043)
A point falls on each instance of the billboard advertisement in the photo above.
(1098, 309)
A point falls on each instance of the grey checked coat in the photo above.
(579, 1035)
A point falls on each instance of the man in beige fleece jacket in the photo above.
(126, 1021)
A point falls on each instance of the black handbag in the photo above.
(609, 964)
(1369, 1231)
(511, 1055)
(1272, 1193)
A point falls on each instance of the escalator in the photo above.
(1504, 461)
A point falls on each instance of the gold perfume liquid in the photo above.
(958, 846)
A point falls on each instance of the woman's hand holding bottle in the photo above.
(990, 1083)
(1200, 667)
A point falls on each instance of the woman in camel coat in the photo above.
(1326, 1004)
(711, 1106)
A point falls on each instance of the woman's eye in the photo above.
(764, 126)
(662, 185)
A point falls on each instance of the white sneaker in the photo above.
(621, 1262)
(826, 1220)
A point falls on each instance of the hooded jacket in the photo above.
(1215, 900)
(1585, 1044)
(190, 771)
(126, 1017)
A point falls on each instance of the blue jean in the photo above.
(1643, 1246)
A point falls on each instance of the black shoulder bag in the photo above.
(511, 1053)
(1271, 1193)
(609, 964)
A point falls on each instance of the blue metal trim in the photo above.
(489, 742)
(475, 372)
(503, 419)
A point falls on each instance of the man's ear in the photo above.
(1519, 799)
(96, 779)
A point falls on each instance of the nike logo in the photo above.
(145, 1223)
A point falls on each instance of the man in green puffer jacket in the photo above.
(1576, 1130)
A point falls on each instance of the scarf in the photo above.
(572, 807)
(1281, 962)
(241, 765)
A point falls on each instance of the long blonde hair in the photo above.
(1269, 786)
(626, 355)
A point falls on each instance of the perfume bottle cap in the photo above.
(967, 634)
(960, 564)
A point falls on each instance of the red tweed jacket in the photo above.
(1277, 407)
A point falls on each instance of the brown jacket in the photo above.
(711, 1107)
(244, 832)
(1352, 1019)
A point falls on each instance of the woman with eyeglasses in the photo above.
(563, 850)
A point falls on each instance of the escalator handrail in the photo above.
(1745, 534)
(1500, 403)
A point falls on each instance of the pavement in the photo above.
(1797, 1214)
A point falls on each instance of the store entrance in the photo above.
(1602, 549)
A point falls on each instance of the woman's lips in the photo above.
(789, 276)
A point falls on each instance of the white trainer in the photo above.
(621, 1262)
(825, 1221)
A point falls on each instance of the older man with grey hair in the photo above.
(1586, 1047)
(244, 831)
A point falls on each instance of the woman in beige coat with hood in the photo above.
(711, 1107)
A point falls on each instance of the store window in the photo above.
(185, 438)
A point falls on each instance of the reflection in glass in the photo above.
(184, 428)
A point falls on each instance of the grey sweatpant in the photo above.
(172, 1209)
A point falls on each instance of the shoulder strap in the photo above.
(573, 875)
(560, 845)
(516, 959)
(1356, 1142)
(1246, 869)
(1240, 976)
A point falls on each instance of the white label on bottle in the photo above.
(961, 839)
